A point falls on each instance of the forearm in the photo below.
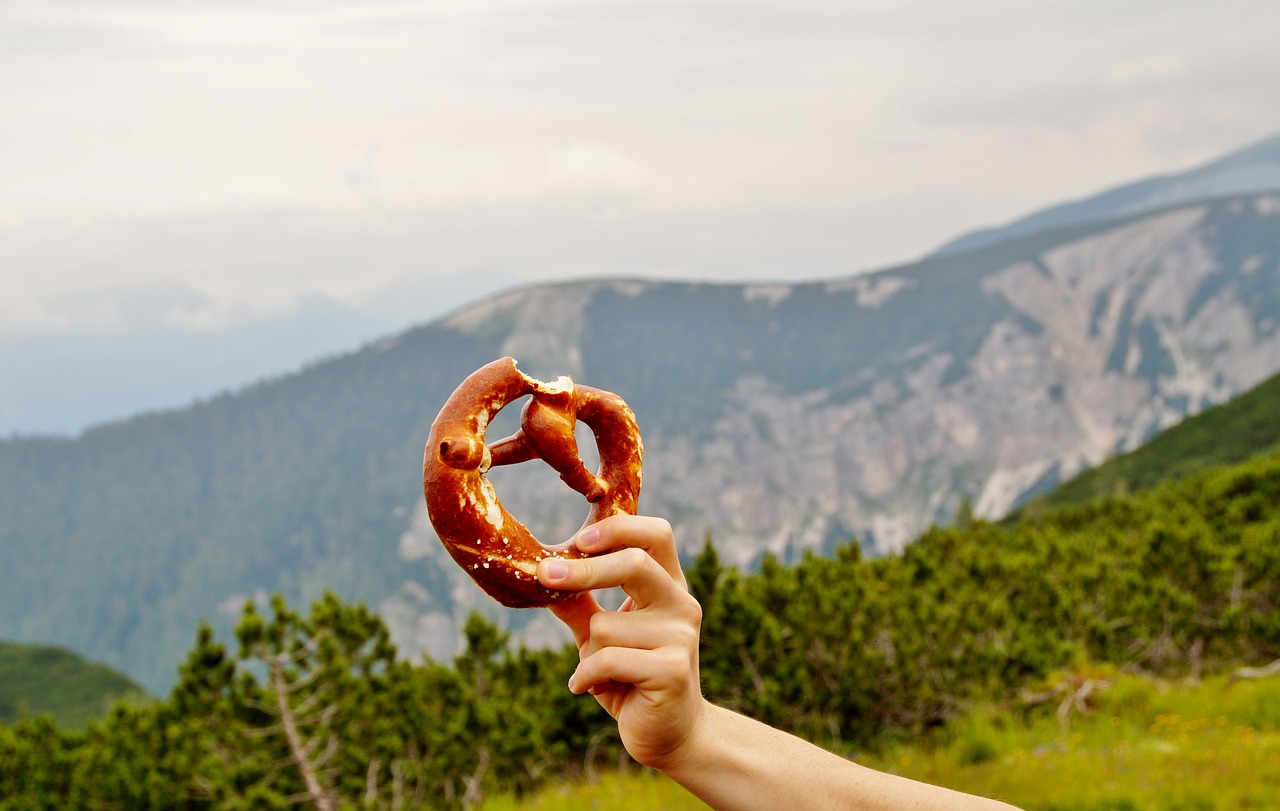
(641, 664)
(733, 762)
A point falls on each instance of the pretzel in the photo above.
(499, 552)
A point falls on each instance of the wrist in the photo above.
(698, 752)
(690, 753)
(731, 761)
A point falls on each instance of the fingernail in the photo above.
(572, 677)
(555, 569)
(587, 537)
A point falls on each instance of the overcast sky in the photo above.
(222, 161)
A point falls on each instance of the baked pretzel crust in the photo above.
(492, 546)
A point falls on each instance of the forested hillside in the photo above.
(1181, 579)
(783, 419)
(120, 541)
(39, 680)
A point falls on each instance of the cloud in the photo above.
(129, 306)
(594, 171)
(213, 170)
(257, 152)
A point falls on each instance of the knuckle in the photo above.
(582, 572)
(602, 663)
(686, 636)
(691, 610)
(599, 625)
(673, 660)
(635, 558)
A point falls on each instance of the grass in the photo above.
(633, 791)
(1143, 744)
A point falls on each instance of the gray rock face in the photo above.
(988, 379)
(1081, 347)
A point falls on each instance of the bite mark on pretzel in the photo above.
(492, 546)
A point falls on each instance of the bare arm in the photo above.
(735, 762)
(641, 664)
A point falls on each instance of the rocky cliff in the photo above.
(777, 418)
(793, 417)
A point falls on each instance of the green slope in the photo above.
(1243, 427)
(38, 679)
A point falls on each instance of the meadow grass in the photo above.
(1142, 744)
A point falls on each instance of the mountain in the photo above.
(779, 418)
(1247, 171)
(1241, 428)
(38, 679)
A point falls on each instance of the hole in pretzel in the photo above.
(547, 506)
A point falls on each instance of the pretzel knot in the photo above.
(498, 551)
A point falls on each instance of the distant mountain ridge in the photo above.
(1250, 170)
(779, 418)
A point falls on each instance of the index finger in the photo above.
(638, 573)
(652, 534)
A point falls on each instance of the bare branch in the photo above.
(371, 781)
(310, 701)
(473, 793)
(263, 732)
(306, 650)
(1256, 672)
(254, 704)
(293, 737)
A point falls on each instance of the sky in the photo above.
(189, 169)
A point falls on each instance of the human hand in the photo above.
(641, 661)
